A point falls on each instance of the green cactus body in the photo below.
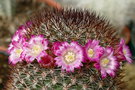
(66, 25)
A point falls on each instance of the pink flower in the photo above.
(17, 36)
(22, 30)
(123, 52)
(107, 64)
(35, 48)
(19, 33)
(69, 56)
(93, 50)
(55, 47)
(16, 51)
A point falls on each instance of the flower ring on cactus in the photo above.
(107, 63)
(35, 48)
(69, 56)
(93, 50)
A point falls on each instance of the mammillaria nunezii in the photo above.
(67, 49)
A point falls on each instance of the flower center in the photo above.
(18, 51)
(124, 51)
(36, 49)
(90, 52)
(69, 57)
(105, 62)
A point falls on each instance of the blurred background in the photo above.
(14, 13)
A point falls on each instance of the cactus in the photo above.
(66, 25)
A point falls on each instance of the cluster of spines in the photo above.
(74, 25)
(49, 79)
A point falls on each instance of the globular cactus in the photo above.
(66, 25)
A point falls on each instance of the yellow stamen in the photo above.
(90, 52)
(70, 57)
(105, 62)
(18, 51)
(124, 51)
(36, 49)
